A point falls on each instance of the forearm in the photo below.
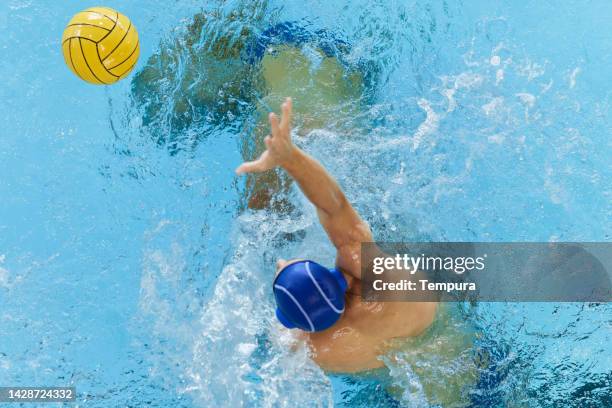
(315, 182)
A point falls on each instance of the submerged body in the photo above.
(362, 334)
(328, 94)
(198, 81)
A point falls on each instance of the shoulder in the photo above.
(386, 320)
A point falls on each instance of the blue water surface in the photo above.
(131, 269)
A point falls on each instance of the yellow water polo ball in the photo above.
(100, 45)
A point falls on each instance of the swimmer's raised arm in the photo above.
(320, 188)
(341, 222)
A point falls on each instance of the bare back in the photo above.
(361, 335)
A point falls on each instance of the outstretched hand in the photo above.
(279, 147)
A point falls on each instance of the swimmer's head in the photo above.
(308, 296)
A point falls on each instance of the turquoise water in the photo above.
(130, 268)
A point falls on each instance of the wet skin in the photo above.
(362, 334)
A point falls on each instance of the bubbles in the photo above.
(261, 364)
(499, 76)
(466, 121)
(493, 107)
(428, 127)
(4, 273)
(572, 77)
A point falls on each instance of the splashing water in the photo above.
(138, 275)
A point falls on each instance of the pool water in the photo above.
(135, 267)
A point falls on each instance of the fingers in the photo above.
(287, 109)
(265, 162)
(254, 166)
(274, 124)
(268, 142)
(246, 167)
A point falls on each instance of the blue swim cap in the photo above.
(309, 296)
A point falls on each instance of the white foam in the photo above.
(4, 273)
(217, 354)
(546, 88)
(499, 76)
(465, 80)
(429, 125)
(493, 106)
(528, 101)
(468, 80)
(497, 139)
(246, 349)
(555, 191)
(527, 98)
(572, 77)
(531, 70)
(450, 96)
